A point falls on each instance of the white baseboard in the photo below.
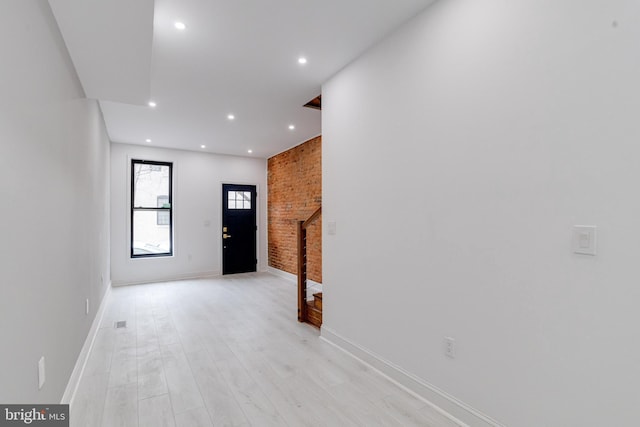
(284, 274)
(189, 276)
(74, 380)
(442, 402)
(311, 285)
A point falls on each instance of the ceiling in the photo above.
(233, 57)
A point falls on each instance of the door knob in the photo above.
(226, 236)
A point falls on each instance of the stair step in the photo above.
(317, 300)
(313, 314)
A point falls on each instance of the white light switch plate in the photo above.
(331, 228)
(450, 347)
(584, 239)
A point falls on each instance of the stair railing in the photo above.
(302, 265)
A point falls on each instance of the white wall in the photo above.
(457, 156)
(197, 193)
(54, 220)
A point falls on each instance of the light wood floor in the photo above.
(229, 351)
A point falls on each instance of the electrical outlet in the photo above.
(86, 307)
(450, 347)
(41, 373)
(584, 239)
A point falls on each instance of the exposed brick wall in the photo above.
(294, 180)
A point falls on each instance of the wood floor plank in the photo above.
(121, 407)
(88, 405)
(125, 344)
(253, 402)
(194, 418)
(151, 378)
(183, 390)
(156, 412)
(124, 371)
(222, 405)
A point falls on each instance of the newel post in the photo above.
(302, 272)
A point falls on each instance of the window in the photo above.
(239, 199)
(151, 209)
(162, 217)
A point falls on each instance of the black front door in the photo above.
(238, 228)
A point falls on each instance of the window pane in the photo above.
(149, 238)
(150, 182)
(163, 201)
(231, 200)
(239, 199)
(163, 216)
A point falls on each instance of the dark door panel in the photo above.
(238, 228)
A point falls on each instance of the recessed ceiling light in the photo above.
(147, 140)
(291, 127)
(180, 25)
(231, 117)
(203, 146)
(249, 151)
(152, 104)
(302, 60)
